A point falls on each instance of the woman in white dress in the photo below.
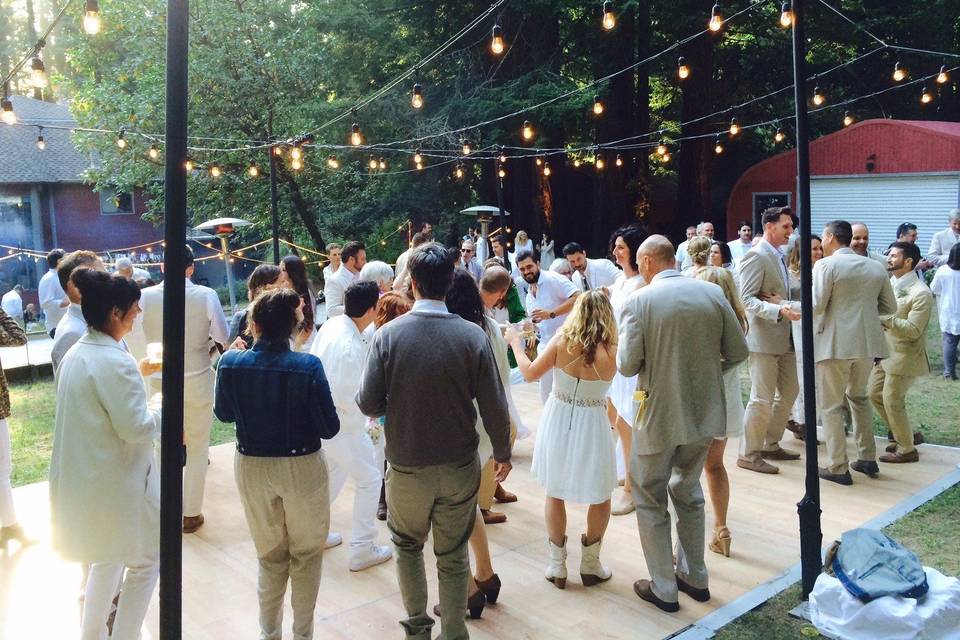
(522, 243)
(623, 245)
(573, 458)
(104, 481)
(547, 255)
(718, 484)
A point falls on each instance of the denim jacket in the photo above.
(279, 399)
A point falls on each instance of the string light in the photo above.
(818, 97)
(942, 77)
(38, 73)
(600, 163)
(497, 44)
(419, 166)
(546, 169)
(683, 71)
(417, 99)
(154, 152)
(253, 170)
(718, 146)
(609, 20)
(121, 140)
(6, 111)
(539, 161)
(786, 15)
(576, 163)
(501, 172)
(734, 128)
(527, 131)
(215, 171)
(41, 143)
(372, 163)
(466, 148)
(278, 151)
(597, 105)
(458, 172)
(847, 118)
(382, 164)
(417, 157)
(333, 163)
(900, 72)
(296, 153)
(779, 136)
(91, 17)
(716, 18)
(665, 158)
(618, 161)
(503, 157)
(925, 96)
(188, 164)
(661, 148)
(355, 138)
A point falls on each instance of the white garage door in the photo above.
(883, 202)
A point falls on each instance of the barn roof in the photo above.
(20, 159)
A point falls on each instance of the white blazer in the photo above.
(104, 480)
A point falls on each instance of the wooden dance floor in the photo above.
(39, 592)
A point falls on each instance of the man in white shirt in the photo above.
(550, 298)
(203, 321)
(402, 278)
(12, 303)
(468, 260)
(126, 269)
(53, 299)
(589, 273)
(333, 255)
(743, 243)
(353, 257)
(72, 325)
(342, 348)
(944, 240)
(682, 247)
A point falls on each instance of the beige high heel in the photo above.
(721, 542)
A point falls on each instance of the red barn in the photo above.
(881, 172)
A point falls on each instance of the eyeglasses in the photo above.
(466, 250)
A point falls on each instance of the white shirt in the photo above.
(682, 253)
(328, 272)
(940, 246)
(553, 290)
(51, 295)
(599, 273)
(336, 287)
(70, 329)
(343, 351)
(946, 286)
(738, 249)
(12, 303)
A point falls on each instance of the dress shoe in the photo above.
(700, 595)
(840, 478)
(192, 523)
(503, 496)
(896, 457)
(475, 604)
(490, 587)
(492, 517)
(333, 540)
(644, 589)
(779, 454)
(622, 503)
(798, 430)
(369, 555)
(721, 542)
(760, 466)
(866, 467)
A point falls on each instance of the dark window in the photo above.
(113, 203)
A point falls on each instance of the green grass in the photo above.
(31, 421)
(930, 531)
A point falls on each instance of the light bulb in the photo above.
(546, 169)
(600, 164)
(683, 71)
(666, 157)
(38, 74)
(417, 99)
(154, 153)
(539, 161)
(467, 150)
(900, 72)
(786, 15)
(597, 105)
(661, 148)
(496, 41)
(188, 165)
(527, 130)
(779, 136)
(91, 18)
(458, 172)
(296, 153)
(41, 143)
(503, 157)
(355, 138)
(847, 119)
(502, 172)
(417, 158)
(215, 171)
(609, 19)
(925, 96)
(6, 112)
(278, 151)
(718, 147)
(253, 170)
(716, 18)
(419, 166)
(121, 141)
(576, 162)
(618, 161)
(734, 127)
(382, 164)
(332, 162)
(942, 76)
(818, 97)
(372, 163)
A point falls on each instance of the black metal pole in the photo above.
(274, 216)
(503, 217)
(175, 234)
(811, 535)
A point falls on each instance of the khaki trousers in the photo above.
(674, 473)
(773, 388)
(287, 505)
(442, 498)
(888, 393)
(488, 482)
(842, 382)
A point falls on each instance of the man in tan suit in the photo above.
(765, 291)
(678, 334)
(906, 336)
(850, 293)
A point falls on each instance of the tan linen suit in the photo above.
(850, 293)
(892, 377)
(773, 362)
(678, 335)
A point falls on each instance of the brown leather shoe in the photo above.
(492, 517)
(700, 595)
(192, 523)
(840, 478)
(779, 454)
(644, 589)
(798, 430)
(503, 496)
(759, 466)
(896, 457)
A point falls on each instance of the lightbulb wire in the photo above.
(41, 41)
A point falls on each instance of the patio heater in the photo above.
(224, 228)
(484, 214)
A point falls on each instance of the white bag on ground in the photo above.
(936, 616)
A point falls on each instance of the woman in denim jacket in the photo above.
(282, 405)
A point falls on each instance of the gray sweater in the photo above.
(423, 372)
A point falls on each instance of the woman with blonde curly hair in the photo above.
(574, 457)
(699, 251)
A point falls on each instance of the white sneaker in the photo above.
(333, 540)
(369, 555)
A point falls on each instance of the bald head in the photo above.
(655, 255)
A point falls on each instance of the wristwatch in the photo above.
(553, 315)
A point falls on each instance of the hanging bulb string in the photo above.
(41, 42)
(938, 54)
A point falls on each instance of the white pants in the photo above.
(8, 517)
(353, 454)
(138, 585)
(546, 382)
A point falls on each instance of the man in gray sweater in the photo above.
(423, 372)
